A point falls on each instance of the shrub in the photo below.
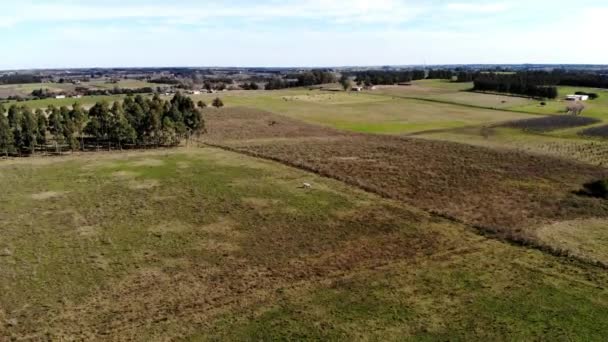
(597, 189)
(592, 96)
(217, 103)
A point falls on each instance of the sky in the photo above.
(308, 33)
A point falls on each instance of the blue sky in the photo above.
(96, 33)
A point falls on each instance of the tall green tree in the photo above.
(121, 130)
(41, 126)
(78, 118)
(56, 126)
(15, 117)
(29, 130)
(6, 134)
(100, 121)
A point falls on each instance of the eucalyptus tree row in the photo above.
(136, 122)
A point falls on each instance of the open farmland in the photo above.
(307, 225)
(452, 93)
(572, 147)
(23, 90)
(367, 113)
(597, 108)
(207, 244)
(506, 193)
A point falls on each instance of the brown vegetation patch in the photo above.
(244, 123)
(187, 294)
(88, 231)
(144, 184)
(183, 165)
(472, 184)
(224, 227)
(170, 227)
(148, 162)
(584, 238)
(260, 203)
(41, 196)
(125, 174)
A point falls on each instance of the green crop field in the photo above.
(203, 244)
(366, 112)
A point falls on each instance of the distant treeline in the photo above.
(388, 77)
(137, 122)
(532, 84)
(304, 79)
(114, 91)
(19, 79)
(46, 93)
(165, 80)
(381, 77)
(579, 79)
(538, 83)
(440, 74)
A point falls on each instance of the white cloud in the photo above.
(332, 10)
(478, 8)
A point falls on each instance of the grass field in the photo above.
(364, 112)
(25, 90)
(397, 238)
(202, 244)
(7, 90)
(507, 193)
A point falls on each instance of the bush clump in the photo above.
(597, 189)
(592, 96)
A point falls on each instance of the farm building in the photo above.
(60, 97)
(577, 97)
(357, 89)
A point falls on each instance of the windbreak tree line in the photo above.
(530, 84)
(46, 93)
(440, 74)
(376, 77)
(305, 79)
(19, 79)
(580, 79)
(136, 122)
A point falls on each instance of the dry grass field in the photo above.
(366, 112)
(503, 192)
(301, 222)
(204, 244)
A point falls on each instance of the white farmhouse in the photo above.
(577, 97)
